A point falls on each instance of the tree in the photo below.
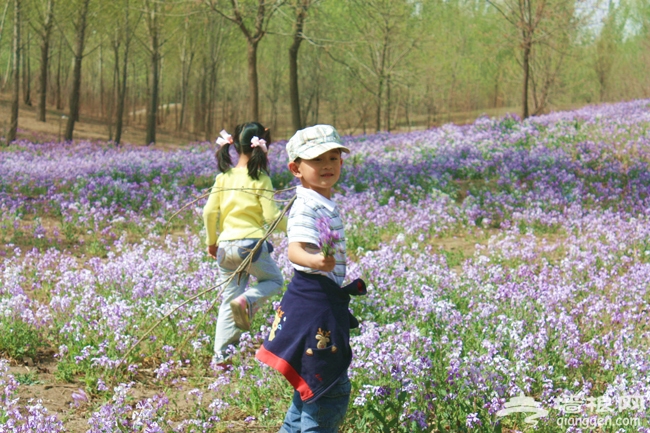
(13, 123)
(537, 22)
(154, 20)
(385, 33)
(44, 31)
(254, 26)
(3, 19)
(607, 43)
(187, 53)
(80, 43)
(126, 32)
(27, 70)
(300, 8)
(212, 37)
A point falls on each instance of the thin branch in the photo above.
(245, 264)
(246, 190)
(502, 13)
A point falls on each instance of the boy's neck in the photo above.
(325, 192)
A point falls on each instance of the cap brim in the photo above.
(319, 149)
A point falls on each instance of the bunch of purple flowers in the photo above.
(327, 238)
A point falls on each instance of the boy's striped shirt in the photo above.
(301, 227)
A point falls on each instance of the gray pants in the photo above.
(270, 281)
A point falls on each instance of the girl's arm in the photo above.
(211, 216)
(299, 254)
(270, 210)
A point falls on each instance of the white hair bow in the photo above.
(259, 142)
(224, 139)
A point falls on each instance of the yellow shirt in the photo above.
(241, 206)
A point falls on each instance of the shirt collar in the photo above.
(301, 191)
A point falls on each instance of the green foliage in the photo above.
(282, 179)
(19, 339)
(454, 257)
(29, 378)
(370, 65)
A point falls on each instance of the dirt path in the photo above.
(86, 129)
(38, 382)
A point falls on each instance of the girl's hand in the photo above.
(212, 251)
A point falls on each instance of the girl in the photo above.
(241, 201)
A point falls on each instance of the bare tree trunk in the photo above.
(524, 91)
(253, 37)
(201, 102)
(59, 98)
(381, 74)
(186, 66)
(133, 93)
(27, 73)
(380, 90)
(102, 111)
(112, 101)
(8, 72)
(153, 20)
(316, 112)
(211, 97)
(13, 124)
(160, 114)
(2, 28)
(4, 17)
(152, 110)
(76, 73)
(407, 108)
(253, 82)
(121, 97)
(388, 107)
(294, 94)
(45, 52)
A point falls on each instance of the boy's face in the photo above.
(319, 174)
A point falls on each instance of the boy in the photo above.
(309, 338)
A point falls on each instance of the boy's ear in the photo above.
(295, 169)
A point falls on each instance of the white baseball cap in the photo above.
(313, 141)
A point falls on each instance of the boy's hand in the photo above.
(212, 251)
(324, 263)
(299, 255)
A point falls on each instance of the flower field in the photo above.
(503, 258)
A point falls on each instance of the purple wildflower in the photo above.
(327, 238)
(473, 420)
(79, 398)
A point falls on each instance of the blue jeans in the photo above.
(229, 256)
(325, 415)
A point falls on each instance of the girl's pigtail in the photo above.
(223, 158)
(223, 153)
(257, 163)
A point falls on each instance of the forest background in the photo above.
(139, 70)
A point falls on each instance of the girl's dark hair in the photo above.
(242, 137)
